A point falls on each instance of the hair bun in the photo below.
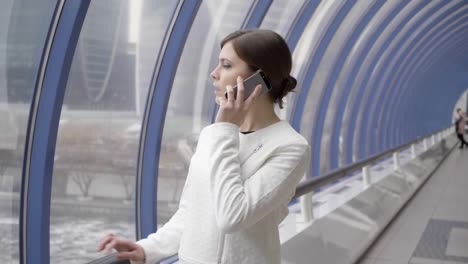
(289, 84)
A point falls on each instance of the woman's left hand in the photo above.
(234, 109)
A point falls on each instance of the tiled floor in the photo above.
(433, 227)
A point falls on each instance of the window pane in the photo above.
(97, 144)
(281, 15)
(368, 66)
(192, 101)
(324, 15)
(308, 43)
(345, 74)
(23, 32)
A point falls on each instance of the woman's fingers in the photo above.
(104, 241)
(110, 242)
(230, 93)
(126, 249)
(240, 90)
(109, 246)
(232, 109)
(134, 252)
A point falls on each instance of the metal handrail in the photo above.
(112, 259)
(317, 182)
(109, 259)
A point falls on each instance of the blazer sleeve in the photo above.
(165, 241)
(240, 204)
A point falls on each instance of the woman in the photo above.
(460, 128)
(244, 171)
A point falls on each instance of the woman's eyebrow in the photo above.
(222, 59)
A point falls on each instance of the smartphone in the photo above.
(251, 82)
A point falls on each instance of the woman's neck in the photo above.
(260, 115)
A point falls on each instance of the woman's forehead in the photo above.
(228, 52)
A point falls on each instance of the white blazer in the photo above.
(235, 196)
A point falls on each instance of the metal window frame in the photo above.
(352, 94)
(421, 62)
(427, 48)
(430, 87)
(383, 76)
(144, 131)
(329, 84)
(256, 14)
(297, 29)
(154, 117)
(448, 97)
(368, 130)
(359, 120)
(402, 62)
(402, 93)
(380, 72)
(411, 55)
(311, 68)
(42, 130)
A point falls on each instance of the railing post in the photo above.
(396, 160)
(413, 151)
(366, 179)
(306, 207)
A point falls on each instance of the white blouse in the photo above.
(235, 196)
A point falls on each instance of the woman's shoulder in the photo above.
(286, 134)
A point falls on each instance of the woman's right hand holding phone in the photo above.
(233, 109)
(126, 249)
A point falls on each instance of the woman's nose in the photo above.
(214, 74)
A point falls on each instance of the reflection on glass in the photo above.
(98, 137)
(192, 101)
(281, 15)
(23, 32)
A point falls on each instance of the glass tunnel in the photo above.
(102, 102)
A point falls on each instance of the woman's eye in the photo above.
(226, 66)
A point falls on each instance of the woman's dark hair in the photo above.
(266, 50)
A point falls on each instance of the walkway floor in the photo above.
(433, 227)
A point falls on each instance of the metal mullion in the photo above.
(42, 130)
